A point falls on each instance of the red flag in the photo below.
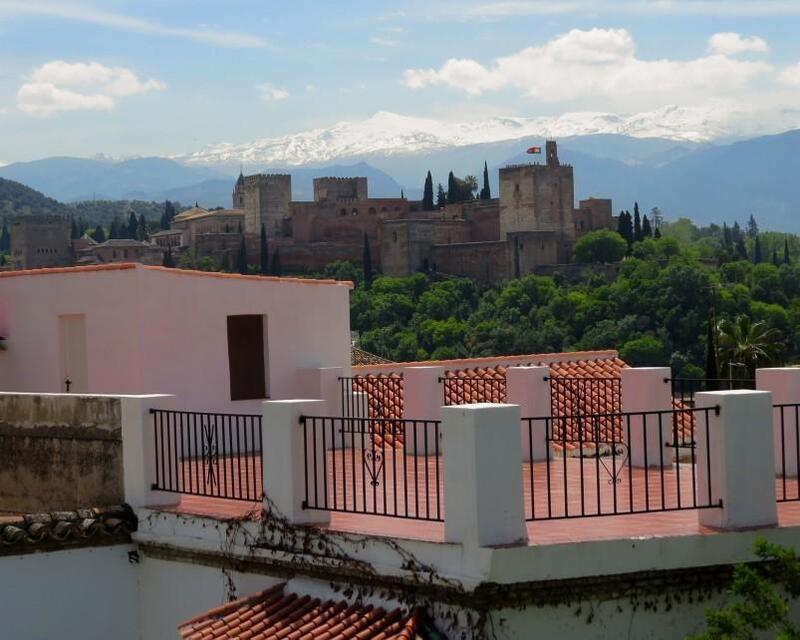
(534, 150)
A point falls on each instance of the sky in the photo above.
(162, 77)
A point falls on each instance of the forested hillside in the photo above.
(656, 310)
(16, 198)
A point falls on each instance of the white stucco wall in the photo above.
(81, 593)
(173, 592)
(151, 330)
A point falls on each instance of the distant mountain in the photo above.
(72, 179)
(391, 134)
(17, 199)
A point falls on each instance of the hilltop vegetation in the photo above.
(16, 198)
(655, 310)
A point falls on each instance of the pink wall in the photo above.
(151, 330)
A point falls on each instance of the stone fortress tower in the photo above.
(539, 198)
(265, 199)
(39, 241)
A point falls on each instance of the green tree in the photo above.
(745, 345)
(5, 237)
(786, 258)
(757, 257)
(168, 215)
(452, 192)
(367, 262)
(647, 229)
(644, 351)
(762, 596)
(99, 235)
(241, 258)
(141, 229)
(486, 193)
(441, 197)
(657, 233)
(133, 226)
(741, 250)
(625, 227)
(264, 251)
(752, 227)
(637, 224)
(427, 193)
(600, 246)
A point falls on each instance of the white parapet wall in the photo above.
(784, 385)
(645, 393)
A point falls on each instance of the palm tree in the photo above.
(747, 344)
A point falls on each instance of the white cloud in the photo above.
(79, 13)
(729, 44)
(71, 86)
(383, 42)
(791, 76)
(599, 63)
(310, 88)
(270, 93)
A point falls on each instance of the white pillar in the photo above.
(739, 444)
(284, 461)
(324, 383)
(139, 451)
(483, 475)
(423, 397)
(784, 384)
(529, 388)
(647, 389)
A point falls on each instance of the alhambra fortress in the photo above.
(533, 223)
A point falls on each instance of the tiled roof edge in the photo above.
(83, 527)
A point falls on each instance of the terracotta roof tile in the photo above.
(274, 614)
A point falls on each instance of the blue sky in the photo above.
(159, 77)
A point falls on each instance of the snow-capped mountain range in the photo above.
(390, 134)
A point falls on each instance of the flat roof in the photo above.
(124, 266)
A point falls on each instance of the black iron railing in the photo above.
(372, 396)
(470, 390)
(787, 451)
(584, 466)
(373, 466)
(208, 454)
(684, 389)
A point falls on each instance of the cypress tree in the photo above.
(736, 232)
(241, 262)
(486, 193)
(264, 251)
(133, 226)
(402, 195)
(98, 234)
(647, 230)
(141, 228)
(427, 193)
(727, 238)
(775, 256)
(741, 250)
(73, 229)
(657, 233)
(5, 237)
(367, 263)
(441, 197)
(168, 261)
(786, 258)
(452, 191)
(168, 215)
(276, 263)
(637, 224)
(752, 227)
(757, 258)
